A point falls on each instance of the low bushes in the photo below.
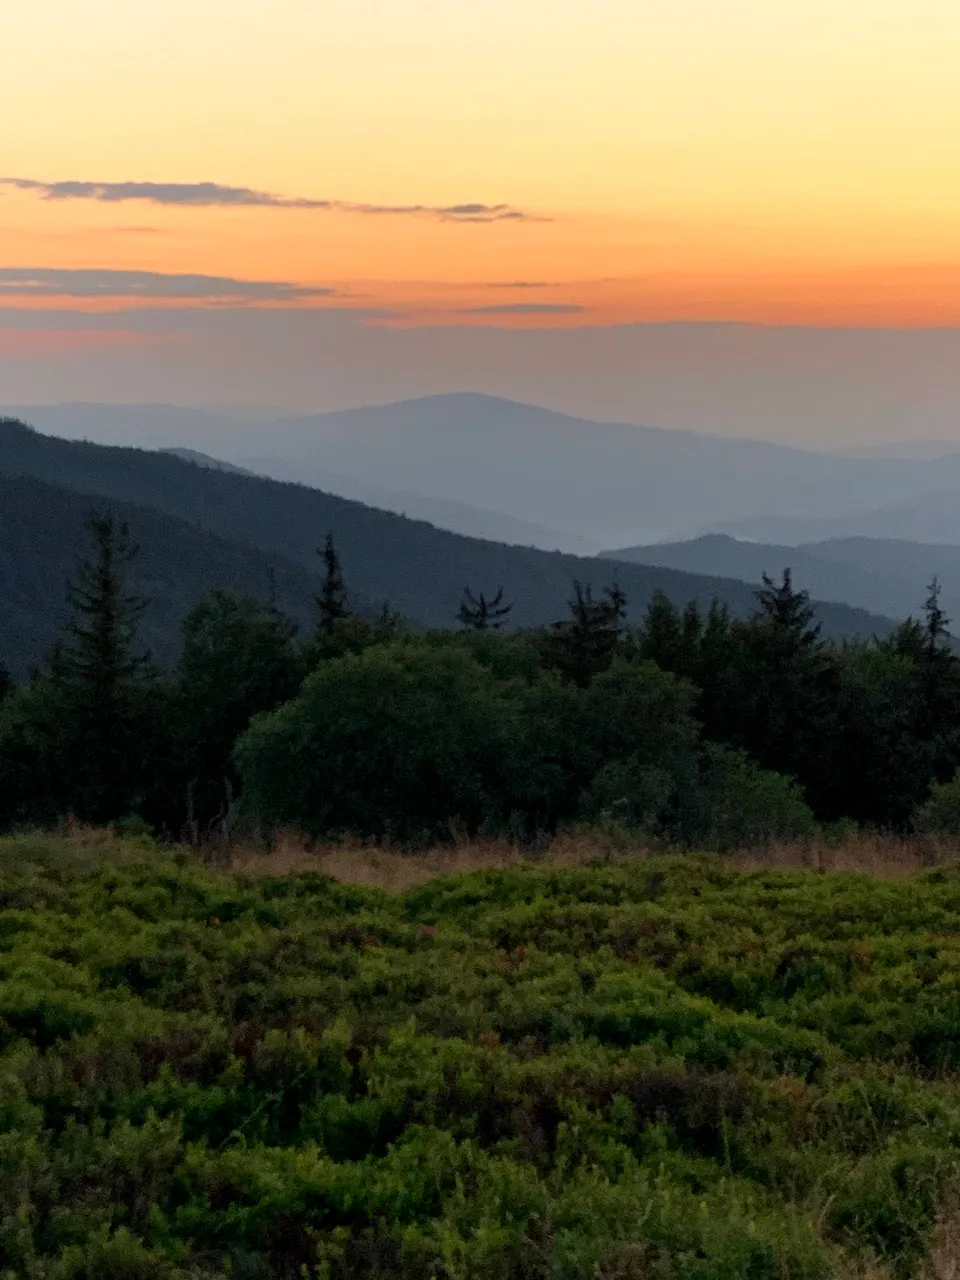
(658, 1069)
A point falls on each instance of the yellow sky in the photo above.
(744, 159)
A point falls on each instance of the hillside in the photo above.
(932, 518)
(41, 542)
(418, 568)
(456, 517)
(204, 460)
(611, 483)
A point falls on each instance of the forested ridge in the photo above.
(692, 727)
(419, 569)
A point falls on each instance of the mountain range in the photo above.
(515, 472)
(211, 527)
(932, 517)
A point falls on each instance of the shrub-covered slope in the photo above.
(659, 1069)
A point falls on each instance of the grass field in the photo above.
(647, 1067)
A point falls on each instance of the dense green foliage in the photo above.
(651, 1069)
(694, 729)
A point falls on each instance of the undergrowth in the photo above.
(657, 1068)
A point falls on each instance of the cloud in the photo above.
(206, 195)
(55, 282)
(519, 284)
(191, 194)
(526, 309)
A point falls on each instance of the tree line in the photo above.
(693, 727)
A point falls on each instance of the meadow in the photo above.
(634, 1067)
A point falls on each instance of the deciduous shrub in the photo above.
(659, 1069)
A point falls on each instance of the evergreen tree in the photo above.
(332, 600)
(936, 625)
(767, 684)
(788, 609)
(6, 683)
(102, 676)
(583, 645)
(667, 637)
(939, 669)
(477, 613)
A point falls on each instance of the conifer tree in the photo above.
(774, 695)
(939, 670)
(788, 609)
(99, 650)
(660, 639)
(936, 626)
(100, 672)
(583, 645)
(477, 613)
(332, 600)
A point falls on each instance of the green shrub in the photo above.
(737, 805)
(940, 812)
(659, 1068)
(403, 742)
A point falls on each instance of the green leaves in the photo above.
(661, 1069)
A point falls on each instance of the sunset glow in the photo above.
(764, 160)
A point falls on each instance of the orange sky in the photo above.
(778, 161)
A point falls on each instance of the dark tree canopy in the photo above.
(583, 645)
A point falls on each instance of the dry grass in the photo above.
(943, 1262)
(356, 862)
(884, 857)
(396, 871)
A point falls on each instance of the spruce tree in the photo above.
(101, 674)
(583, 645)
(936, 625)
(660, 637)
(332, 600)
(477, 613)
(775, 695)
(788, 609)
(940, 682)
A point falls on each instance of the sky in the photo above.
(515, 165)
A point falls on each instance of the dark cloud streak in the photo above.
(53, 282)
(207, 195)
(526, 309)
